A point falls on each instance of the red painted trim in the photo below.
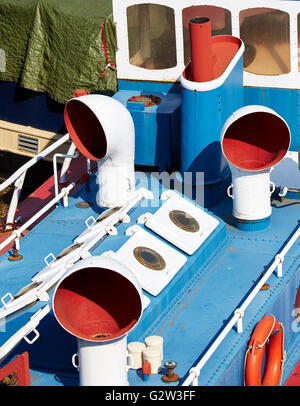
(43, 194)
(20, 365)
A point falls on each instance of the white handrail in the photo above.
(32, 161)
(66, 163)
(19, 176)
(239, 312)
(14, 201)
(66, 156)
(17, 233)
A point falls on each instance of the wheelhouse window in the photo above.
(151, 36)
(266, 35)
(220, 23)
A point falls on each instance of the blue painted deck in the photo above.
(189, 313)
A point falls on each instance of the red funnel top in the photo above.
(209, 55)
(201, 49)
(255, 140)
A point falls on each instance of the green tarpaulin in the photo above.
(56, 46)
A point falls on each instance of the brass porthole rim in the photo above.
(160, 262)
(193, 228)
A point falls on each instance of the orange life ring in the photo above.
(268, 334)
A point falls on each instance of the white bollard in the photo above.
(135, 349)
(153, 356)
(157, 342)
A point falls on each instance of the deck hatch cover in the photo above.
(154, 262)
(181, 222)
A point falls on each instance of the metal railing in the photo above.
(239, 312)
(18, 179)
(68, 157)
(16, 234)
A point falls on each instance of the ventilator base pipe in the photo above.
(251, 194)
(116, 183)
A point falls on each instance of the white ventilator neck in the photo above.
(116, 183)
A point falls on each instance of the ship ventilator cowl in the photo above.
(99, 301)
(253, 140)
(103, 130)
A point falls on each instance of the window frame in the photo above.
(127, 71)
(163, 6)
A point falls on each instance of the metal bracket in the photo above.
(2, 299)
(49, 255)
(37, 334)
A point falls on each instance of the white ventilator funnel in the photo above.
(99, 301)
(253, 140)
(103, 130)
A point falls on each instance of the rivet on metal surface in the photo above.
(170, 376)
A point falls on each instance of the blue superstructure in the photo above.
(157, 127)
(182, 126)
(189, 313)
